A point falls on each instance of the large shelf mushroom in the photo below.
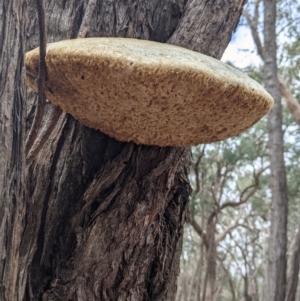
(148, 92)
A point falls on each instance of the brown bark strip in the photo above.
(86, 18)
(40, 80)
(12, 128)
(42, 76)
(44, 131)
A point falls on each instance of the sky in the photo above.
(241, 50)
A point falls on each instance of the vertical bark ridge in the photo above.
(193, 33)
(12, 94)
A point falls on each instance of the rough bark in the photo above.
(12, 94)
(199, 36)
(278, 230)
(103, 219)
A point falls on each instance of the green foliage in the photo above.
(232, 163)
(227, 168)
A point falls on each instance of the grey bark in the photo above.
(199, 36)
(101, 219)
(12, 109)
(276, 283)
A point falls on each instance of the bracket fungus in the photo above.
(148, 92)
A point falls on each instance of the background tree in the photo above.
(101, 220)
(287, 23)
(276, 283)
(228, 180)
(243, 257)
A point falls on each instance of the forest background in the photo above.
(226, 244)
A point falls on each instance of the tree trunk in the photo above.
(12, 163)
(104, 219)
(196, 282)
(294, 276)
(211, 262)
(278, 233)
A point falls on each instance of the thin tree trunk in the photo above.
(232, 289)
(211, 263)
(293, 279)
(202, 253)
(104, 219)
(196, 281)
(278, 233)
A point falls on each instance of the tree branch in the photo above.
(221, 236)
(200, 232)
(253, 26)
(196, 170)
(244, 197)
(228, 169)
(256, 12)
(291, 101)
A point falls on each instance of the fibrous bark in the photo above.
(104, 219)
(12, 94)
(200, 36)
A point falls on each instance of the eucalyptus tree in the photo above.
(286, 26)
(64, 212)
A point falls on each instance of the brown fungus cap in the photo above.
(148, 92)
